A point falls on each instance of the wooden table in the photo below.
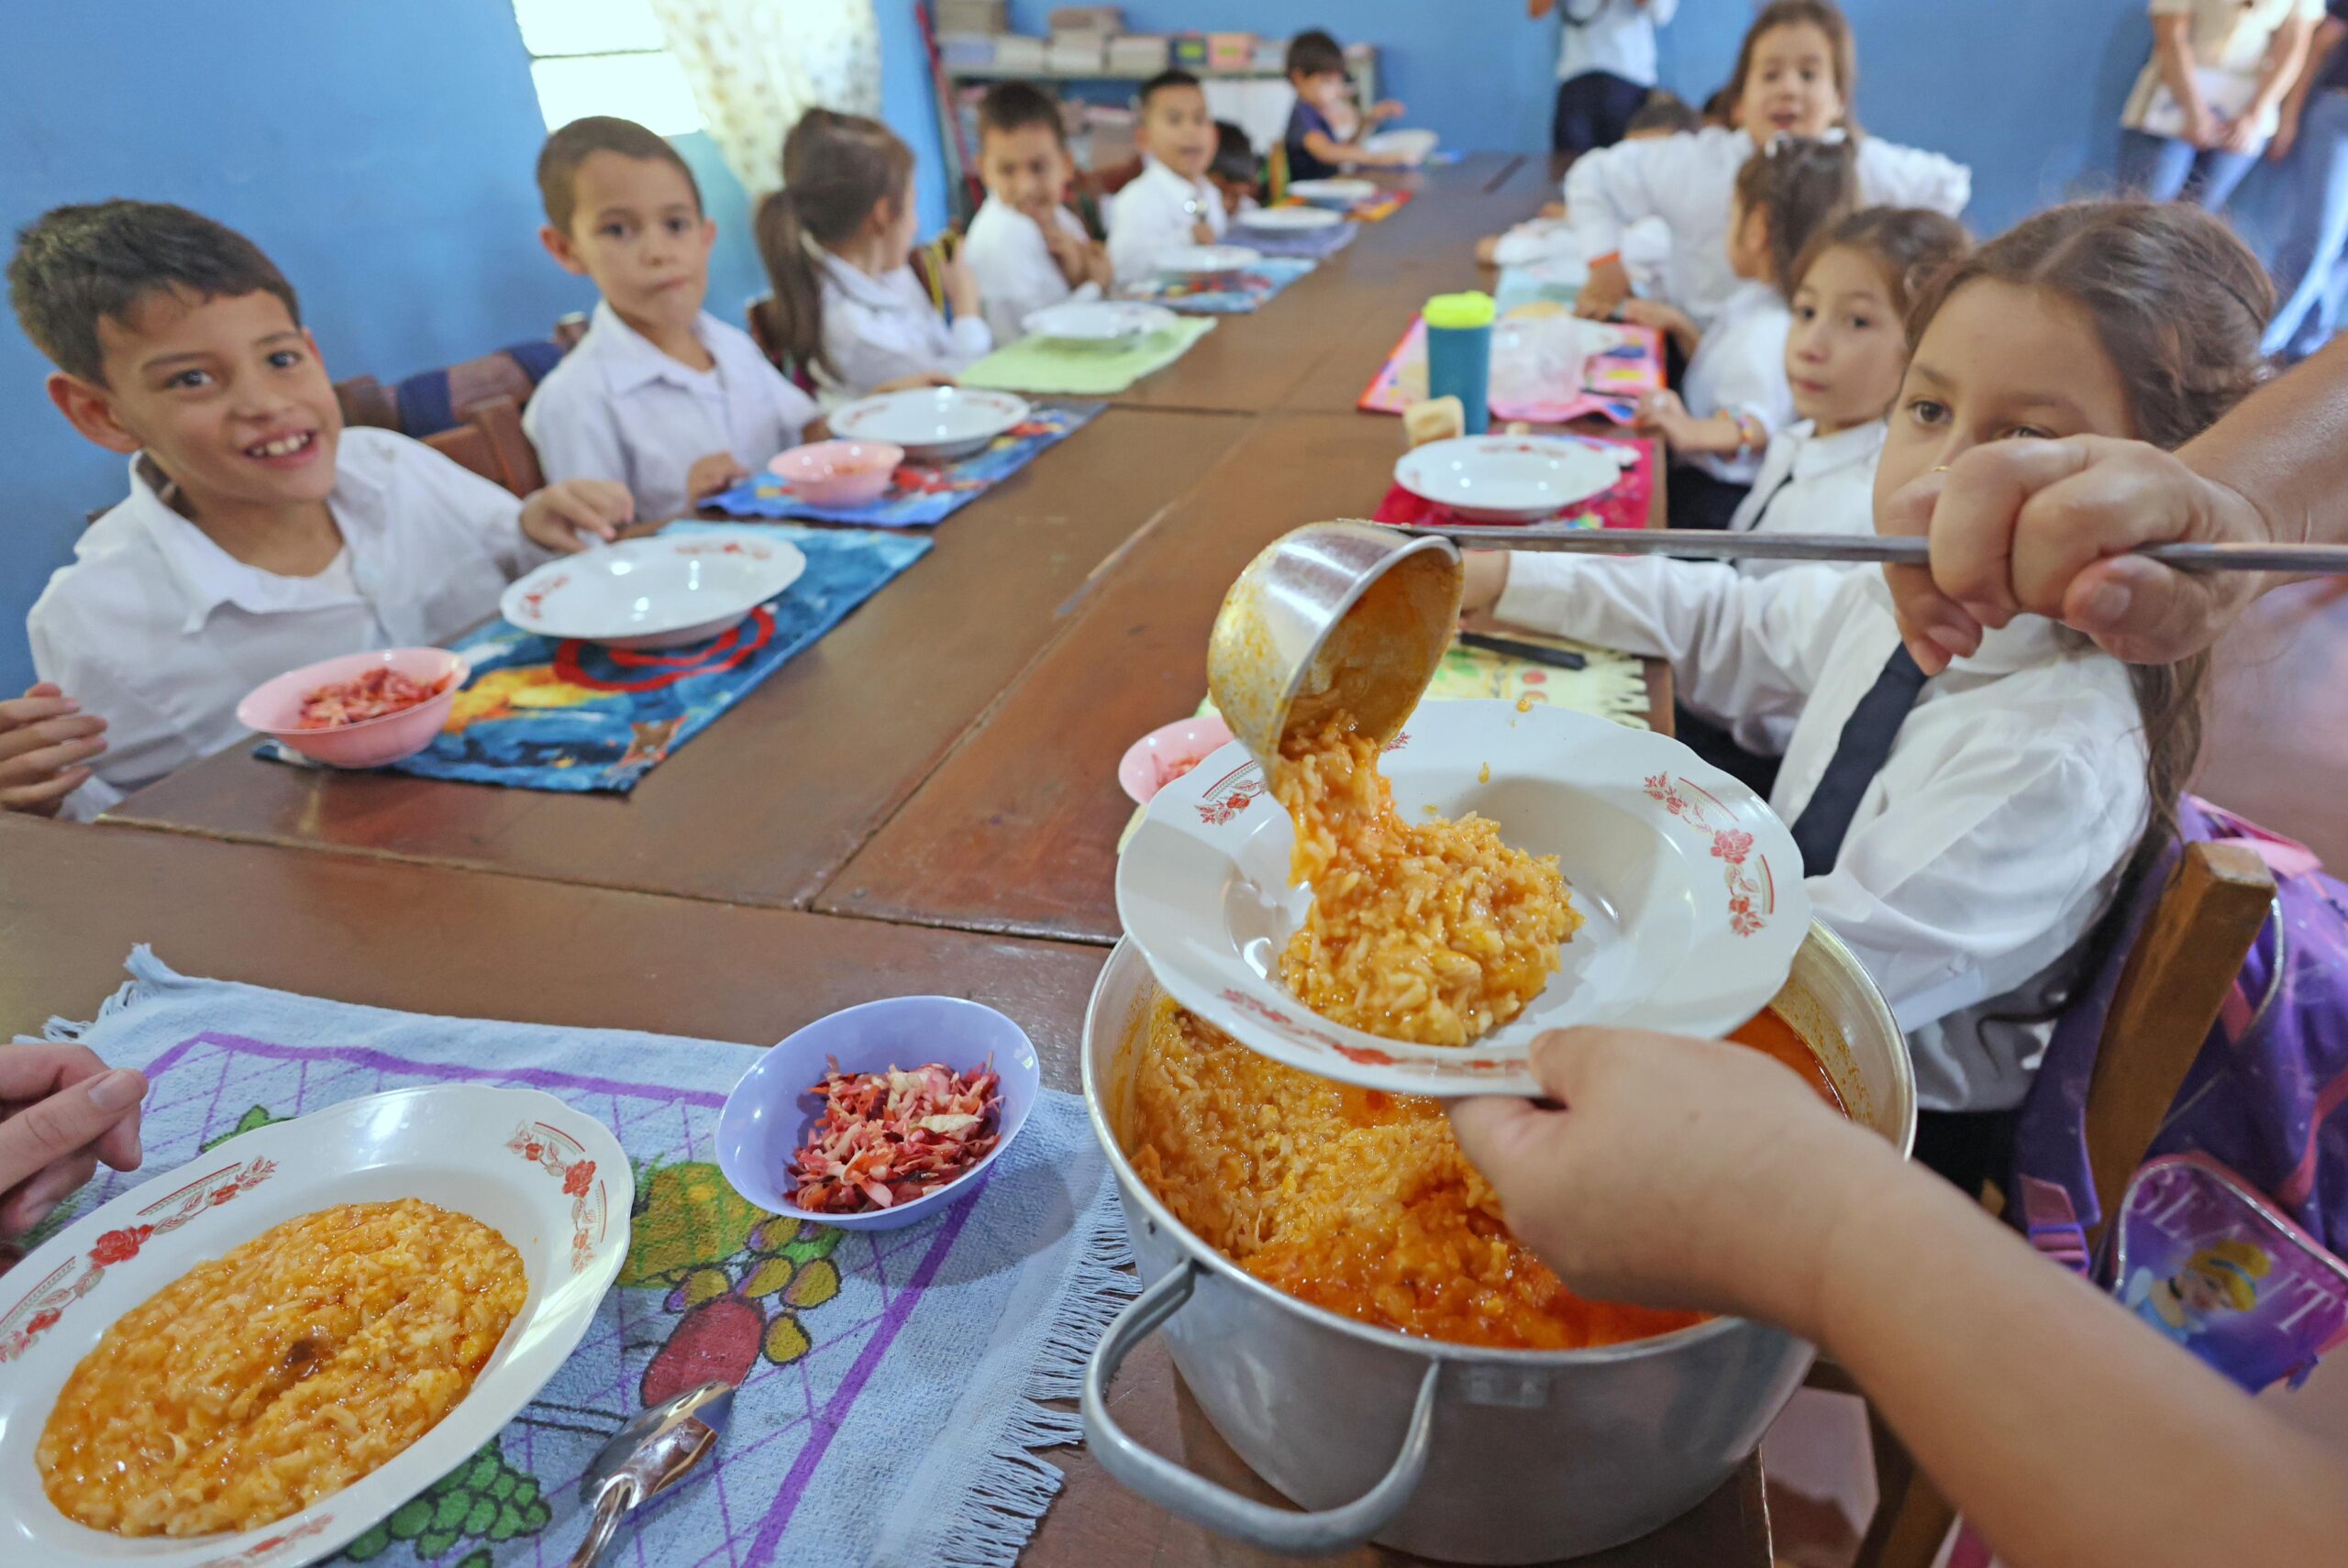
(435, 939)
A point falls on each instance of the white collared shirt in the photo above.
(1739, 369)
(1995, 834)
(882, 330)
(1014, 270)
(617, 408)
(160, 631)
(1689, 179)
(1618, 38)
(1811, 484)
(1153, 214)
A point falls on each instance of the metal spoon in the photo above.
(651, 1453)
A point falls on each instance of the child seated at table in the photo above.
(259, 535)
(1324, 129)
(1644, 246)
(1172, 203)
(838, 240)
(1025, 248)
(1235, 170)
(659, 396)
(1965, 833)
(1735, 395)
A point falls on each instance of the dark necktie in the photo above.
(1859, 756)
(1770, 495)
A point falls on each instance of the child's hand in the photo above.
(1656, 313)
(62, 1113)
(961, 287)
(568, 513)
(1607, 287)
(46, 743)
(2239, 136)
(1662, 413)
(1488, 251)
(1484, 578)
(1385, 109)
(713, 475)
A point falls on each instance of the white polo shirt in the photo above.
(1739, 367)
(1153, 214)
(882, 330)
(1013, 268)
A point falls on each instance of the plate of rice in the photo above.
(1410, 919)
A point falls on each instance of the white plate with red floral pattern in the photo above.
(664, 591)
(1689, 886)
(553, 1182)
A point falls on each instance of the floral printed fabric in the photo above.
(757, 65)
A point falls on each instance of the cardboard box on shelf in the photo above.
(1018, 53)
(1191, 51)
(1102, 19)
(1139, 54)
(1231, 51)
(1077, 54)
(972, 17)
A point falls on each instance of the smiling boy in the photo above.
(259, 535)
(1172, 203)
(659, 395)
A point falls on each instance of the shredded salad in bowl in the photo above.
(888, 1138)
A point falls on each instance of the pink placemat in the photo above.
(1625, 505)
(1611, 385)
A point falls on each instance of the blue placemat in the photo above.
(1221, 293)
(542, 715)
(890, 1382)
(919, 494)
(1310, 244)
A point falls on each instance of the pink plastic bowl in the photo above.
(840, 473)
(1168, 752)
(273, 707)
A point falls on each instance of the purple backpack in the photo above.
(2265, 1097)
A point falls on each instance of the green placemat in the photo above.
(1041, 365)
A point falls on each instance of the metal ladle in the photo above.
(652, 1453)
(1334, 618)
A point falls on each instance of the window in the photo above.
(605, 57)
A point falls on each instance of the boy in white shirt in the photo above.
(659, 396)
(259, 535)
(1025, 248)
(1173, 203)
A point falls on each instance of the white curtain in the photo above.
(757, 65)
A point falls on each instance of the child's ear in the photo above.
(559, 245)
(708, 234)
(89, 408)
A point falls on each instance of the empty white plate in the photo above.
(1507, 479)
(1332, 192)
(931, 423)
(1187, 260)
(658, 593)
(1278, 220)
(1098, 321)
(1414, 144)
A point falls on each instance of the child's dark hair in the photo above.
(1828, 18)
(1315, 53)
(1800, 186)
(77, 265)
(572, 146)
(1234, 155)
(2179, 305)
(836, 169)
(1719, 109)
(1911, 246)
(1663, 111)
(1166, 82)
(1015, 105)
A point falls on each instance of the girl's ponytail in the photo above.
(791, 318)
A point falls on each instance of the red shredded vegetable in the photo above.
(888, 1138)
(377, 693)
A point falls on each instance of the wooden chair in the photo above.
(485, 397)
(2176, 976)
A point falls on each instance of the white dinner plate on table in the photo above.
(1690, 888)
(1284, 220)
(1332, 192)
(1413, 143)
(662, 592)
(1506, 479)
(551, 1181)
(1098, 321)
(1191, 261)
(932, 424)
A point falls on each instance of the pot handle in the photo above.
(1193, 1497)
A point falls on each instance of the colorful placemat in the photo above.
(920, 495)
(1547, 366)
(890, 1382)
(1221, 293)
(542, 715)
(1623, 505)
(1041, 365)
(1370, 209)
(1313, 244)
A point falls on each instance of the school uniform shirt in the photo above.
(1689, 180)
(1645, 249)
(1988, 846)
(1016, 272)
(1303, 119)
(1739, 367)
(2229, 35)
(879, 330)
(1616, 36)
(1811, 484)
(160, 631)
(1153, 213)
(616, 407)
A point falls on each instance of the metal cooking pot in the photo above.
(1452, 1451)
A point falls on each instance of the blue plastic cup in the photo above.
(1460, 354)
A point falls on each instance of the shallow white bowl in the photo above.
(1506, 479)
(1191, 261)
(1277, 220)
(1098, 321)
(1414, 143)
(931, 423)
(658, 592)
(1332, 192)
(1690, 889)
(462, 1146)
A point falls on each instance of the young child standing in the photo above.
(1735, 395)
(259, 535)
(1324, 129)
(661, 396)
(1172, 203)
(1960, 832)
(838, 240)
(1025, 249)
(1795, 76)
